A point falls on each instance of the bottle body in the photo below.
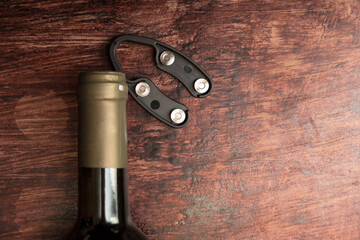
(104, 207)
(104, 211)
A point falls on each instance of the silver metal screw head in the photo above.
(167, 58)
(142, 89)
(178, 116)
(201, 85)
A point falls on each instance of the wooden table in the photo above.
(272, 153)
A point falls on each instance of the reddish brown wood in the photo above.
(272, 153)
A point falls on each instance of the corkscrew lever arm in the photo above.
(172, 61)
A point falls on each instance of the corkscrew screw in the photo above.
(174, 62)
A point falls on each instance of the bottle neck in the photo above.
(103, 196)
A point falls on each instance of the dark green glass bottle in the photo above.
(104, 212)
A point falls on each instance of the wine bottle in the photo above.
(104, 211)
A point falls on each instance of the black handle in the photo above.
(172, 61)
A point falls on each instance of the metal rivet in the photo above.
(142, 89)
(167, 58)
(201, 85)
(178, 115)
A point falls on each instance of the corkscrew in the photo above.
(174, 62)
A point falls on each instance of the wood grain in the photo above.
(272, 153)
